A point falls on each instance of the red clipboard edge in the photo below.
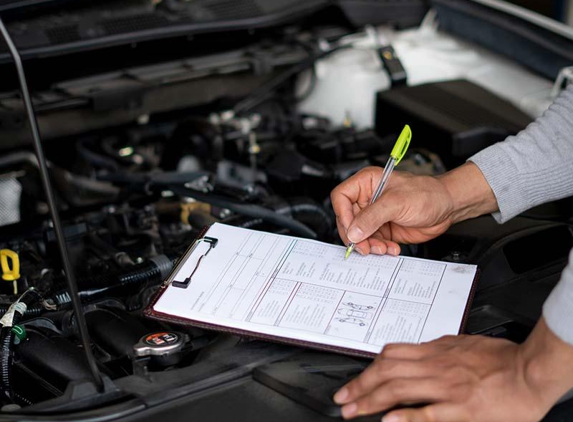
(151, 313)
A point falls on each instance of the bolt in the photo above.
(224, 213)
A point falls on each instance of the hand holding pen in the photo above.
(396, 156)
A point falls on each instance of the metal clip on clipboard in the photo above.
(212, 243)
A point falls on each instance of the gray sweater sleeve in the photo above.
(532, 168)
(535, 166)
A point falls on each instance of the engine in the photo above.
(133, 197)
(134, 200)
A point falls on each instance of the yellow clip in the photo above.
(402, 144)
(9, 274)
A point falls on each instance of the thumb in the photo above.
(370, 219)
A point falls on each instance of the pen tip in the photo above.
(348, 252)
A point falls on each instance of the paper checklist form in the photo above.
(303, 291)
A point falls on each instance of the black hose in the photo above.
(32, 311)
(250, 223)
(6, 358)
(263, 92)
(154, 270)
(29, 298)
(250, 210)
(307, 212)
(95, 159)
(312, 215)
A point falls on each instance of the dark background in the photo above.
(556, 9)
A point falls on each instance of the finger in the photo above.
(341, 231)
(410, 351)
(388, 236)
(396, 392)
(342, 204)
(356, 208)
(379, 372)
(363, 248)
(377, 246)
(389, 247)
(393, 248)
(371, 218)
(440, 412)
(355, 190)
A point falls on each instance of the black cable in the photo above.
(249, 210)
(312, 215)
(32, 311)
(263, 92)
(6, 358)
(29, 298)
(43, 167)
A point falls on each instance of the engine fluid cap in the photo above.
(160, 343)
(10, 272)
(19, 331)
(161, 339)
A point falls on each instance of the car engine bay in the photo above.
(257, 135)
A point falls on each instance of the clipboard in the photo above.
(188, 282)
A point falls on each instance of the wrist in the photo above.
(547, 364)
(469, 192)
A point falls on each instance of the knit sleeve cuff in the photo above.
(502, 175)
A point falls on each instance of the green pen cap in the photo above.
(402, 144)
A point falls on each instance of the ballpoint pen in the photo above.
(396, 156)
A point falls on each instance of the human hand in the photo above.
(412, 209)
(464, 379)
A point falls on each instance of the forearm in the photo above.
(470, 193)
(547, 364)
(548, 352)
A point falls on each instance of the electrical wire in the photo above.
(50, 198)
(262, 93)
(249, 210)
(9, 319)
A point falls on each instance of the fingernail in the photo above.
(377, 250)
(394, 252)
(341, 396)
(355, 235)
(350, 410)
(392, 418)
(359, 250)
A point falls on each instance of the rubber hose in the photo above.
(32, 311)
(243, 222)
(154, 269)
(312, 215)
(249, 224)
(7, 340)
(250, 210)
(28, 298)
(6, 358)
